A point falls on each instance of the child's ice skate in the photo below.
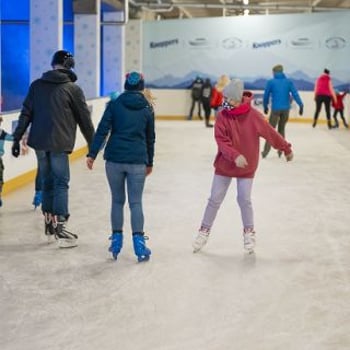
(249, 240)
(65, 238)
(201, 239)
(116, 244)
(37, 199)
(142, 252)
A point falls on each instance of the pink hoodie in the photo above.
(238, 131)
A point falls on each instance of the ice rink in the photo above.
(292, 294)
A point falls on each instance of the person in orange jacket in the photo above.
(217, 97)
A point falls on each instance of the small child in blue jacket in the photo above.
(4, 136)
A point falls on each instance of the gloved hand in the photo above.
(16, 149)
(241, 162)
(289, 157)
(266, 110)
(301, 110)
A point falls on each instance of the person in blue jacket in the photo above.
(128, 126)
(279, 91)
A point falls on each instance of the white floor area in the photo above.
(293, 294)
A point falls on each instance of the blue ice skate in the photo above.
(37, 199)
(116, 244)
(142, 252)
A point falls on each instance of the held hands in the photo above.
(241, 162)
(16, 149)
(90, 162)
(289, 157)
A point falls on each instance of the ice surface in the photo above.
(293, 294)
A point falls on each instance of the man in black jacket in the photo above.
(53, 108)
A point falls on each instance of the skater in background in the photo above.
(279, 90)
(37, 199)
(324, 94)
(196, 91)
(205, 99)
(338, 106)
(238, 129)
(52, 109)
(128, 125)
(150, 98)
(216, 93)
(4, 136)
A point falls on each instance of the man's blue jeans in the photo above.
(133, 176)
(55, 176)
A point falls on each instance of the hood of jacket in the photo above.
(59, 76)
(235, 112)
(133, 100)
(279, 75)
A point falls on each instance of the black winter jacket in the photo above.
(53, 108)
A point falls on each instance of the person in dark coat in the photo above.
(196, 92)
(206, 98)
(53, 108)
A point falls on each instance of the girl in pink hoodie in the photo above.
(238, 129)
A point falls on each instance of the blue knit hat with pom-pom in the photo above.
(134, 82)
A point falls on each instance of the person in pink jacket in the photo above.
(324, 94)
(238, 129)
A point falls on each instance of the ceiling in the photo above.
(175, 9)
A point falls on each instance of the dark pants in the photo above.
(38, 182)
(326, 100)
(279, 119)
(341, 112)
(207, 110)
(194, 101)
(1, 174)
(55, 175)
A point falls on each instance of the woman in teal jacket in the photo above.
(128, 123)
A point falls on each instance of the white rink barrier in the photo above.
(169, 105)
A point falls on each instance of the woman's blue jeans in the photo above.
(55, 176)
(131, 176)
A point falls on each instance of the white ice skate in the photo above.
(249, 241)
(200, 240)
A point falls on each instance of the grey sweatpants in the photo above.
(279, 119)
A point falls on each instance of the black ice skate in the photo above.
(65, 238)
